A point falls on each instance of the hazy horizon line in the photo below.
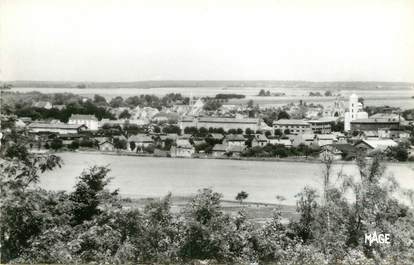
(208, 80)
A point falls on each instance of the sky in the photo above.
(125, 40)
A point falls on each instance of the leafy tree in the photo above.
(132, 145)
(250, 103)
(56, 144)
(133, 129)
(269, 117)
(205, 231)
(306, 206)
(168, 143)
(212, 105)
(116, 102)
(124, 115)
(89, 193)
(338, 126)
(315, 94)
(20, 219)
(149, 149)
(241, 196)
(157, 129)
(17, 151)
(328, 93)
(232, 131)
(171, 129)
(120, 143)
(262, 93)
(205, 147)
(283, 115)
(191, 130)
(398, 152)
(278, 133)
(229, 96)
(203, 131)
(74, 145)
(160, 234)
(133, 101)
(99, 100)
(87, 142)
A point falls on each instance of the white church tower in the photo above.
(355, 111)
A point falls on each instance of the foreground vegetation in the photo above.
(89, 224)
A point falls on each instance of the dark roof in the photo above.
(219, 147)
(228, 120)
(218, 136)
(260, 138)
(140, 138)
(253, 121)
(83, 117)
(376, 120)
(235, 137)
(346, 148)
(105, 141)
(236, 149)
(169, 116)
(41, 125)
(120, 137)
(291, 122)
(185, 144)
(41, 104)
(185, 136)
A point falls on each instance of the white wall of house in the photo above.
(91, 124)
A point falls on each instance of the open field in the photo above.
(143, 177)
(395, 96)
(255, 211)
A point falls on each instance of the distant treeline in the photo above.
(229, 96)
(214, 83)
(92, 225)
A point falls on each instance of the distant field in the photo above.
(152, 177)
(215, 83)
(392, 96)
(257, 212)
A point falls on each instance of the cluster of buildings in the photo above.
(320, 126)
(226, 124)
(360, 131)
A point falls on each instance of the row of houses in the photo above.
(320, 126)
(349, 151)
(226, 124)
(76, 124)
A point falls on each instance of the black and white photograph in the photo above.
(207, 132)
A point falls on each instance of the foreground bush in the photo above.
(90, 224)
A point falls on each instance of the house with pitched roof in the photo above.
(220, 122)
(369, 145)
(43, 105)
(139, 141)
(338, 152)
(294, 126)
(219, 150)
(90, 121)
(280, 141)
(234, 140)
(324, 139)
(59, 128)
(106, 146)
(260, 140)
(183, 148)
